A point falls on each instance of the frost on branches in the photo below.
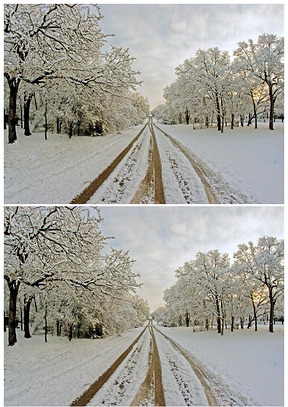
(212, 291)
(211, 90)
(54, 266)
(56, 72)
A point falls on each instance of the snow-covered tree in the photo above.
(264, 61)
(264, 262)
(47, 248)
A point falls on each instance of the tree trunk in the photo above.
(232, 324)
(232, 121)
(218, 316)
(45, 122)
(59, 327)
(187, 319)
(70, 335)
(27, 305)
(187, 116)
(271, 313)
(27, 104)
(59, 125)
(13, 289)
(271, 116)
(254, 312)
(242, 120)
(46, 324)
(218, 114)
(242, 322)
(12, 120)
(70, 129)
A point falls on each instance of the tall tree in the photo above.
(265, 61)
(264, 262)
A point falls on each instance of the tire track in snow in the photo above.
(217, 191)
(85, 398)
(151, 187)
(90, 190)
(209, 393)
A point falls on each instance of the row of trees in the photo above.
(210, 87)
(212, 290)
(57, 76)
(58, 278)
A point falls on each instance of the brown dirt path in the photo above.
(153, 178)
(153, 381)
(200, 372)
(201, 170)
(84, 399)
(90, 190)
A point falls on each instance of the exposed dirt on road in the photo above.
(84, 399)
(151, 187)
(90, 190)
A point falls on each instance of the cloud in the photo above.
(162, 36)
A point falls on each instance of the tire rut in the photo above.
(202, 376)
(152, 184)
(88, 394)
(207, 177)
(90, 190)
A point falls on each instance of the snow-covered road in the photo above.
(192, 368)
(197, 167)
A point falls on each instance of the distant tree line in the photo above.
(210, 88)
(59, 79)
(59, 281)
(213, 292)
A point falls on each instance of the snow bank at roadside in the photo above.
(251, 160)
(55, 373)
(56, 170)
(251, 363)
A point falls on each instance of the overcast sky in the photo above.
(162, 36)
(162, 238)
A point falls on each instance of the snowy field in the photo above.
(55, 171)
(250, 363)
(55, 373)
(251, 160)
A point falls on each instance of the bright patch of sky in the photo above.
(162, 36)
(162, 238)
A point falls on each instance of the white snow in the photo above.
(55, 171)
(250, 160)
(55, 373)
(246, 367)
(250, 364)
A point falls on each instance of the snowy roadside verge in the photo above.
(250, 363)
(55, 171)
(55, 373)
(250, 160)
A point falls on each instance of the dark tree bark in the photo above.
(59, 328)
(70, 129)
(218, 316)
(271, 313)
(46, 122)
(59, 125)
(187, 118)
(271, 115)
(232, 324)
(187, 319)
(232, 121)
(13, 289)
(27, 104)
(46, 324)
(70, 333)
(12, 119)
(218, 114)
(27, 305)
